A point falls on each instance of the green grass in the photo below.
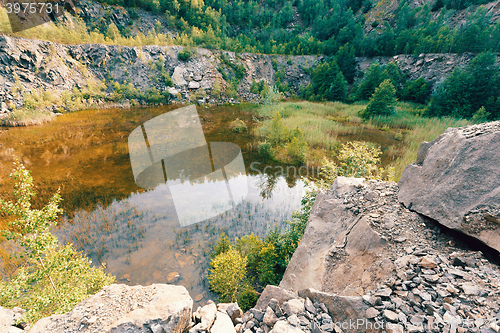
(326, 125)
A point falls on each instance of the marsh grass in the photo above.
(326, 125)
(26, 117)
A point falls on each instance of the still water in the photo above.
(137, 231)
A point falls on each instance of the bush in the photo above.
(184, 55)
(480, 116)
(382, 101)
(417, 91)
(232, 89)
(297, 149)
(216, 89)
(227, 271)
(52, 278)
(247, 300)
(265, 149)
(238, 125)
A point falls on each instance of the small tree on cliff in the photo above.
(52, 277)
(382, 101)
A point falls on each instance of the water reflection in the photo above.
(140, 240)
(204, 179)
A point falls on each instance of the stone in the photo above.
(193, 85)
(178, 76)
(428, 262)
(163, 308)
(293, 320)
(340, 308)
(470, 289)
(454, 175)
(257, 314)
(222, 324)
(269, 293)
(372, 313)
(284, 327)
(172, 276)
(390, 315)
(394, 328)
(270, 317)
(294, 306)
(234, 311)
(206, 315)
(172, 91)
(309, 306)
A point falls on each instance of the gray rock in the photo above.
(178, 76)
(234, 311)
(309, 306)
(280, 295)
(294, 306)
(390, 315)
(257, 314)
(455, 174)
(270, 317)
(206, 315)
(340, 308)
(172, 91)
(158, 308)
(193, 85)
(222, 324)
(372, 313)
(284, 327)
(332, 229)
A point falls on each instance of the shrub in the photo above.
(247, 300)
(238, 125)
(297, 149)
(216, 90)
(53, 278)
(184, 54)
(480, 116)
(417, 91)
(227, 271)
(382, 101)
(265, 149)
(232, 89)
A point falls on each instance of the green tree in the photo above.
(382, 101)
(466, 90)
(338, 89)
(52, 277)
(346, 59)
(373, 77)
(227, 271)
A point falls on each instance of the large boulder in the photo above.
(120, 308)
(456, 181)
(340, 252)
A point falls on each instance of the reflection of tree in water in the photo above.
(119, 229)
(266, 185)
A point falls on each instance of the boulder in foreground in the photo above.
(456, 181)
(120, 308)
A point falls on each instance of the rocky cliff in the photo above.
(55, 68)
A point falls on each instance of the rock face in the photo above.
(120, 308)
(340, 252)
(456, 181)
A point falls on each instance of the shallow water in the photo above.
(136, 231)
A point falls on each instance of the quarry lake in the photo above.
(135, 231)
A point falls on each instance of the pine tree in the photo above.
(382, 102)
